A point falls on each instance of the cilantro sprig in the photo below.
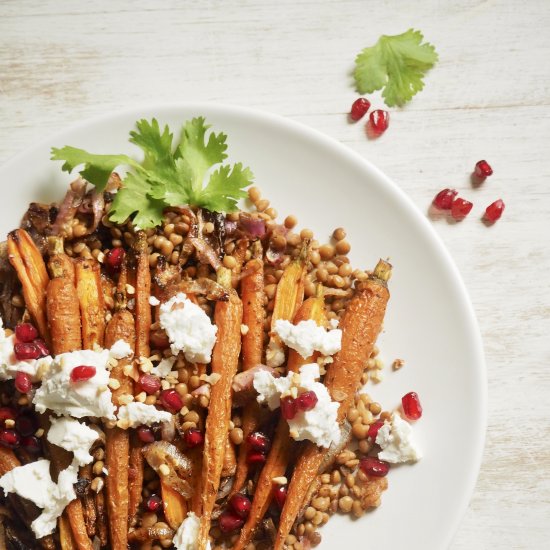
(397, 64)
(187, 173)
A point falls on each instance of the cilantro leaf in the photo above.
(396, 63)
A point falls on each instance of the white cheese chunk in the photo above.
(164, 368)
(73, 436)
(274, 354)
(121, 349)
(138, 414)
(307, 337)
(153, 301)
(188, 328)
(397, 441)
(187, 534)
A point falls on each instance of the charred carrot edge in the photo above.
(279, 454)
(225, 357)
(88, 504)
(102, 529)
(175, 507)
(360, 326)
(31, 270)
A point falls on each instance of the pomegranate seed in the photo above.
(31, 444)
(26, 350)
(483, 169)
(306, 401)
(460, 208)
(159, 340)
(7, 413)
(259, 442)
(171, 400)
(145, 434)
(42, 348)
(150, 384)
(9, 438)
(82, 373)
(240, 505)
(411, 406)
(153, 503)
(229, 522)
(288, 408)
(494, 210)
(193, 437)
(374, 467)
(359, 108)
(444, 199)
(379, 120)
(254, 457)
(279, 495)
(25, 332)
(374, 429)
(23, 382)
(26, 424)
(114, 259)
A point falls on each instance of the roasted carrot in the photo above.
(361, 324)
(279, 454)
(175, 507)
(65, 534)
(229, 459)
(88, 502)
(8, 460)
(31, 270)
(225, 357)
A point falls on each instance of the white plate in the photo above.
(430, 322)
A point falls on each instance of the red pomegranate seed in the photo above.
(26, 350)
(374, 429)
(9, 438)
(240, 505)
(26, 424)
(23, 382)
(279, 495)
(254, 457)
(114, 259)
(483, 169)
(42, 348)
(411, 406)
(7, 413)
(306, 401)
(229, 522)
(82, 373)
(149, 383)
(259, 442)
(379, 120)
(145, 434)
(288, 408)
(374, 467)
(494, 210)
(460, 208)
(25, 332)
(31, 444)
(444, 199)
(171, 400)
(153, 503)
(359, 108)
(193, 437)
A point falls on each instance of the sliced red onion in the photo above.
(205, 253)
(68, 208)
(230, 227)
(255, 227)
(274, 257)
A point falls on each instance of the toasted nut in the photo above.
(97, 484)
(164, 470)
(281, 480)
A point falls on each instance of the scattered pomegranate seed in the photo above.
(411, 406)
(279, 495)
(460, 208)
(146, 434)
(25, 332)
(193, 437)
(288, 408)
(23, 382)
(254, 457)
(82, 373)
(494, 210)
(153, 503)
(259, 442)
(149, 383)
(26, 350)
(374, 428)
(114, 259)
(171, 400)
(26, 424)
(379, 120)
(240, 505)
(483, 169)
(7, 413)
(229, 522)
(444, 199)
(359, 108)
(9, 438)
(306, 401)
(42, 348)
(31, 444)
(374, 467)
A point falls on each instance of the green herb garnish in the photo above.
(168, 175)
(397, 64)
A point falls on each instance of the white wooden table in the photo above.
(488, 97)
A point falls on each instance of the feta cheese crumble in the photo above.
(73, 436)
(320, 424)
(138, 414)
(153, 301)
(307, 337)
(164, 368)
(397, 441)
(187, 533)
(121, 349)
(274, 354)
(188, 328)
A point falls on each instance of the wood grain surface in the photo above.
(488, 97)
